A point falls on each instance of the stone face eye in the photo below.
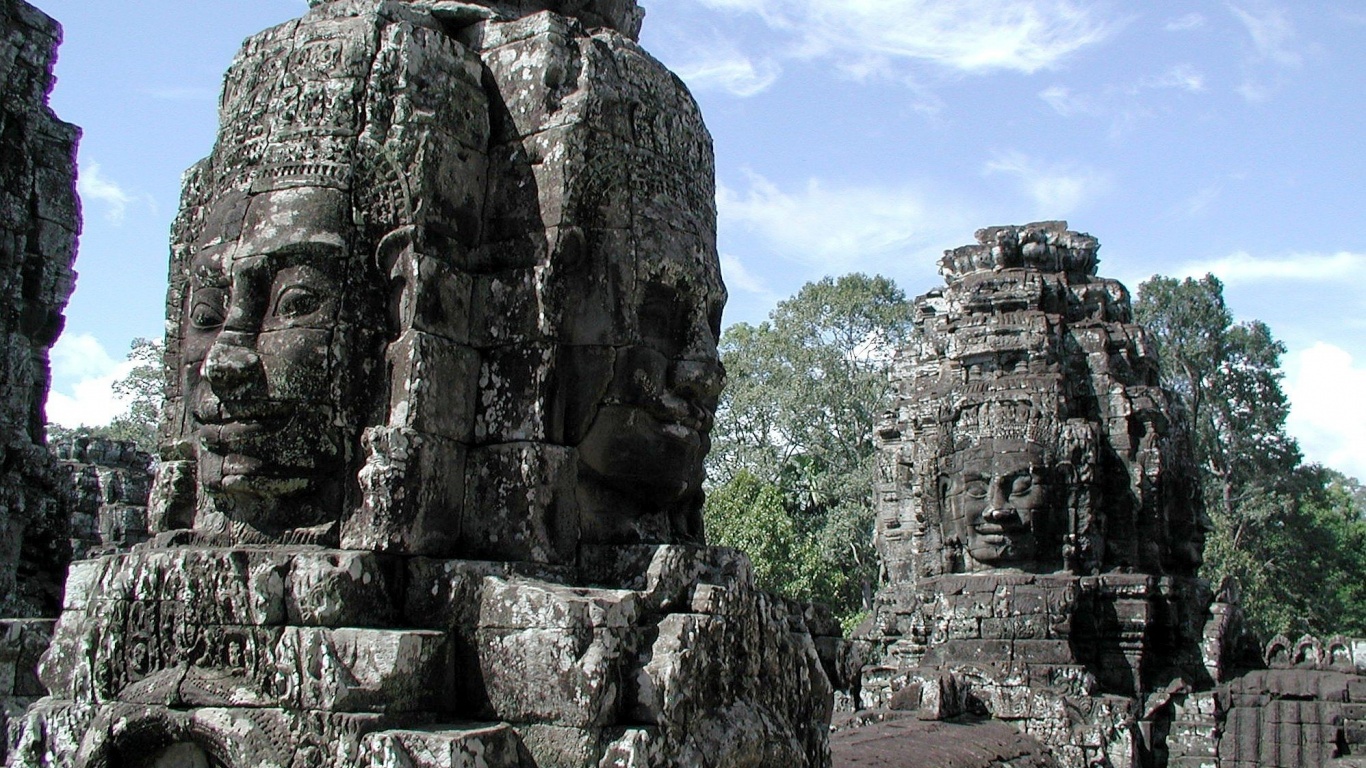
(297, 301)
(208, 308)
(1022, 485)
(976, 488)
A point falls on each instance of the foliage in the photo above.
(1292, 535)
(748, 514)
(142, 389)
(806, 388)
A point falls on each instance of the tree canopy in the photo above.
(795, 428)
(1290, 533)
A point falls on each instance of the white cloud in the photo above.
(1057, 190)
(89, 399)
(737, 275)
(974, 36)
(1182, 76)
(1186, 23)
(1327, 413)
(1200, 202)
(92, 185)
(1273, 34)
(724, 68)
(1242, 267)
(836, 227)
(1275, 48)
(1122, 103)
(1066, 103)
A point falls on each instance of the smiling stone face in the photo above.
(651, 429)
(999, 503)
(269, 323)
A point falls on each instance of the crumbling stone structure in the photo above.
(1038, 518)
(39, 222)
(105, 488)
(1305, 707)
(444, 302)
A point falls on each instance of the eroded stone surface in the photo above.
(105, 486)
(444, 303)
(1038, 518)
(39, 222)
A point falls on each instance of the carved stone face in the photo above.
(997, 503)
(651, 430)
(265, 345)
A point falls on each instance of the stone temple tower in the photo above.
(441, 361)
(1039, 522)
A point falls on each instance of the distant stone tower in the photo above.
(443, 304)
(1038, 521)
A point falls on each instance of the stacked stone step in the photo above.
(345, 656)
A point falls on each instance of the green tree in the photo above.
(748, 514)
(143, 388)
(805, 390)
(1290, 534)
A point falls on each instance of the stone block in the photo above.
(533, 72)
(446, 746)
(522, 604)
(558, 745)
(555, 655)
(363, 670)
(1043, 652)
(521, 504)
(508, 308)
(515, 383)
(633, 748)
(414, 494)
(343, 589)
(672, 683)
(434, 385)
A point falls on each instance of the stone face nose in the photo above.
(999, 497)
(999, 513)
(234, 370)
(698, 380)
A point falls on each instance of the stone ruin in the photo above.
(1040, 530)
(1038, 519)
(39, 222)
(105, 487)
(442, 363)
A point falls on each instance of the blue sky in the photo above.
(869, 135)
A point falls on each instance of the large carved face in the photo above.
(997, 501)
(264, 348)
(651, 430)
